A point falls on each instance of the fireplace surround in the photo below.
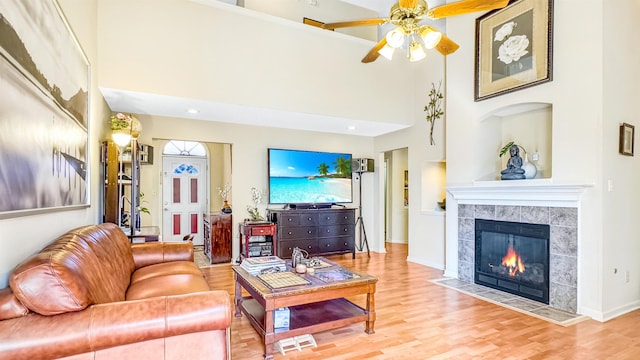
(563, 240)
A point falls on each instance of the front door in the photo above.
(184, 199)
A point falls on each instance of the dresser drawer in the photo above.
(335, 244)
(285, 248)
(298, 232)
(338, 217)
(260, 231)
(286, 219)
(308, 219)
(335, 230)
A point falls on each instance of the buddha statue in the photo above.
(514, 170)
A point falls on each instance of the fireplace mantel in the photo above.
(534, 192)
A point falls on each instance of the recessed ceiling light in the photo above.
(193, 111)
(351, 127)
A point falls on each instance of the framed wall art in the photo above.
(44, 111)
(627, 137)
(514, 48)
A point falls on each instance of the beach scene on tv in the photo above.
(309, 177)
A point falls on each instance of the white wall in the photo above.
(23, 236)
(426, 246)
(232, 55)
(620, 244)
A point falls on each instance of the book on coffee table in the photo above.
(256, 265)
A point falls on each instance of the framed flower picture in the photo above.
(513, 48)
(627, 137)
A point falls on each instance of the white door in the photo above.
(184, 183)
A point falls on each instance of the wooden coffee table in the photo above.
(317, 306)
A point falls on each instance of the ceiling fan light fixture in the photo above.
(416, 52)
(387, 52)
(395, 38)
(430, 36)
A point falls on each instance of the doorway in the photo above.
(185, 179)
(396, 200)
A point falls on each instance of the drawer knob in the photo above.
(328, 217)
(309, 246)
(309, 231)
(345, 229)
(289, 219)
(289, 233)
(328, 245)
(328, 231)
(345, 244)
(309, 219)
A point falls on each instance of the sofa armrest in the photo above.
(150, 253)
(112, 324)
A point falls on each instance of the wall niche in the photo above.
(528, 125)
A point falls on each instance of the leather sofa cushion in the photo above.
(10, 306)
(145, 254)
(175, 284)
(87, 265)
(168, 268)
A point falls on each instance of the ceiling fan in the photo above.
(409, 33)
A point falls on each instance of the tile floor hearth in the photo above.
(514, 302)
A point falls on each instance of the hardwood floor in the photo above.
(417, 319)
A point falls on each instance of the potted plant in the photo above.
(256, 199)
(224, 194)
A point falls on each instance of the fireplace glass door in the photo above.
(513, 257)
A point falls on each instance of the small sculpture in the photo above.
(514, 170)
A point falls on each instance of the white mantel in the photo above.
(534, 192)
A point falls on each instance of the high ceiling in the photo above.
(167, 106)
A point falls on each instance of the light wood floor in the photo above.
(420, 320)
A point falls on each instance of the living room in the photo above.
(268, 63)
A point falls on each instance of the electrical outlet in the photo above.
(626, 274)
(610, 185)
(535, 156)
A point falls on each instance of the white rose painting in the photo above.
(513, 49)
(512, 46)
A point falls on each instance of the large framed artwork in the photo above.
(514, 48)
(44, 111)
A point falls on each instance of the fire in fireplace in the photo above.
(513, 257)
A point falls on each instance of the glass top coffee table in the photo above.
(316, 301)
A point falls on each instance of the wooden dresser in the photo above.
(317, 231)
(218, 237)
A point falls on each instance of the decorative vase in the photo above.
(529, 169)
(226, 209)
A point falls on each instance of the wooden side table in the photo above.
(217, 237)
(262, 248)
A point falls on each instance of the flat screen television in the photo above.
(309, 177)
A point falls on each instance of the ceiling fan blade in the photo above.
(373, 54)
(409, 4)
(446, 46)
(364, 22)
(465, 7)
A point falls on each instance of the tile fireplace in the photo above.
(513, 257)
(563, 251)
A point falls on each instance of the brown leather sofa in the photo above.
(92, 295)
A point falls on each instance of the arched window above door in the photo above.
(184, 148)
